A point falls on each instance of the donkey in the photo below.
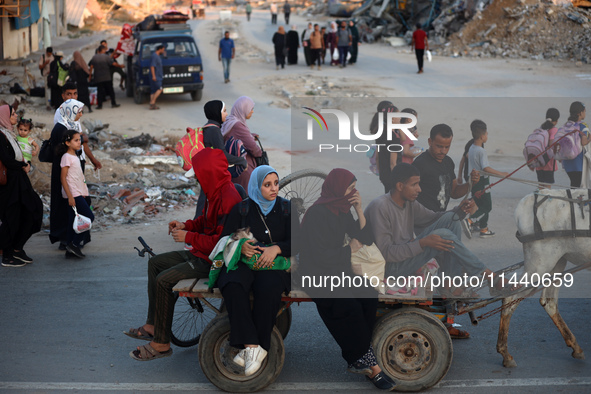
(554, 227)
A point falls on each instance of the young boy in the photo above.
(478, 160)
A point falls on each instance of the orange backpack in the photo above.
(189, 145)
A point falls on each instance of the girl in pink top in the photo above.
(235, 126)
(74, 188)
(546, 174)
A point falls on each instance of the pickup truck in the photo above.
(182, 66)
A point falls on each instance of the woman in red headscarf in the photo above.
(349, 318)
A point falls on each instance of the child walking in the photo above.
(74, 188)
(28, 145)
(478, 160)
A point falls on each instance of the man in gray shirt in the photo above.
(100, 64)
(344, 41)
(393, 217)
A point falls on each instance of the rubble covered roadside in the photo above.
(525, 29)
(140, 176)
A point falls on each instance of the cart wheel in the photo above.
(216, 359)
(413, 347)
(191, 316)
(302, 188)
(283, 322)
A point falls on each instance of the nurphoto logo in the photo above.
(393, 122)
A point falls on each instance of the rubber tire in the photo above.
(197, 94)
(434, 343)
(139, 98)
(216, 355)
(302, 193)
(190, 319)
(283, 322)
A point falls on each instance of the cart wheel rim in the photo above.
(224, 360)
(409, 354)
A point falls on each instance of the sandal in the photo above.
(148, 353)
(139, 333)
(153, 106)
(456, 333)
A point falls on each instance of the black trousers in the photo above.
(287, 18)
(105, 89)
(575, 178)
(280, 59)
(273, 19)
(350, 322)
(545, 176)
(251, 326)
(316, 56)
(420, 53)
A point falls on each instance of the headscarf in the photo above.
(6, 128)
(333, 27)
(213, 110)
(67, 112)
(294, 27)
(333, 191)
(281, 30)
(255, 183)
(80, 62)
(240, 109)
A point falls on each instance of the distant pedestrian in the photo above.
(273, 13)
(325, 41)
(344, 41)
(316, 46)
(293, 45)
(286, 11)
(420, 44)
(354, 42)
(100, 65)
(248, 10)
(226, 53)
(44, 63)
(546, 174)
(306, 43)
(80, 74)
(574, 167)
(280, 46)
(331, 39)
(157, 74)
(58, 74)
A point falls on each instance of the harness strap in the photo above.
(573, 221)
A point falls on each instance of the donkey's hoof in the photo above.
(579, 355)
(509, 363)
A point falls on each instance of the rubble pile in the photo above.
(523, 29)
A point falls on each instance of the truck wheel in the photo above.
(196, 94)
(283, 322)
(413, 347)
(216, 358)
(138, 97)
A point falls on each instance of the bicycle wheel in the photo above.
(191, 315)
(302, 188)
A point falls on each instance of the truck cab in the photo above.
(181, 63)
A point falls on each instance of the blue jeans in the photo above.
(343, 55)
(226, 64)
(457, 261)
(83, 209)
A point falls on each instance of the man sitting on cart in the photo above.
(165, 270)
(393, 218)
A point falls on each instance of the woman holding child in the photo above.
(268, 217)
(21, 210)
(350, 319)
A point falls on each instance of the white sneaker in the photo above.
(253, 357)
(239, 359)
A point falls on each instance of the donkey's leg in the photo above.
(549, 300)
(502, 340)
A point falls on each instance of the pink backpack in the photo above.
(537, 142)
(569, 147)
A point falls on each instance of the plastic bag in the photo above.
(372, 264)
(335, 55)
(429, 55)
(81, 222)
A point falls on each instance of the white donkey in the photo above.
(557, 215)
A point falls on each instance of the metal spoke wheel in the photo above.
(191, 316)
(302, 188)
(413, 347)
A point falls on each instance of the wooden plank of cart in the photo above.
(410, 340)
